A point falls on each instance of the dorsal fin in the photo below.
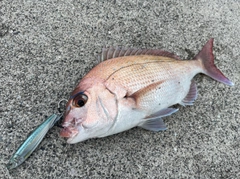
(109, 53)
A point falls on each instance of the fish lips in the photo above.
(70, 128)
(69, 131)
(73, 134)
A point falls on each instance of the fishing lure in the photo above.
(29, 145)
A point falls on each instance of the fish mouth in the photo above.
(69, 132)
(70, 129)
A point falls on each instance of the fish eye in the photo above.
(80, 100)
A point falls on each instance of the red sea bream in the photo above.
(134, 87)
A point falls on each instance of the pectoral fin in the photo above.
(147, 96)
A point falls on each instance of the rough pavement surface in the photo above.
(47, 46)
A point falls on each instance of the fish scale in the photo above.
(129, 77)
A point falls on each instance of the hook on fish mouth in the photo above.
(59, 122)
(59, 104)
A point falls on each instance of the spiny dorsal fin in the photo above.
(109, 53)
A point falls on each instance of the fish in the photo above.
(134, 88)
(31, 143)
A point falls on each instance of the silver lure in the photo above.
(29, 145)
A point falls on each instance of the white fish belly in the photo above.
(126, 119)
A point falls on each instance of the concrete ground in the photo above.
(46, 47)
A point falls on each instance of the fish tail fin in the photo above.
(205, 56)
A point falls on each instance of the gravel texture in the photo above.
(46, 47)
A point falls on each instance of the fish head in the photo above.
(90, 112)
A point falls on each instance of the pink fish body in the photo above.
(134, 88)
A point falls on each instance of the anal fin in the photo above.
(191, 96)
